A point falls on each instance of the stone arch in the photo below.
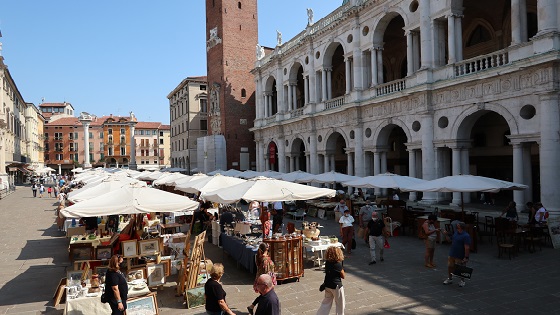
(269, 83)
(381, 25)
(329, 51)
(273, 157)
(294, 68)
(474, 24)
(329, 136)
(384, 129)
(297, 153)
(295, 143)
(464, 122)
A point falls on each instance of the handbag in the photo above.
(104, 298)
(322, 287)
(463, 271)
(386, 245)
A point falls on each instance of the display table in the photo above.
(170, 228)
(287, 254)
(93, 306)
(239, 251)
(318, 251)
(93, 242)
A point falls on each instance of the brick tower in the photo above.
(232, 35)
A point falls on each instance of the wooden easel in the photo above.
(192, 266)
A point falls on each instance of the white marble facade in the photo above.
(419, 88)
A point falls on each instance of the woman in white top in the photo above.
(347, 230)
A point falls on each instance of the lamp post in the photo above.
(86, 119)
(132, 164)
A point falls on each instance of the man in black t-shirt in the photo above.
(268, 301)
(375, 230)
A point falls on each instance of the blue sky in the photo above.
(113, 56)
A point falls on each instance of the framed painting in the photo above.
(135, 274)
(101, 270)
(129, 248)
(81, 252)
(103, 252)
(167, 266)
(74, 277)
(155, 274)
(149, 247)
(146, 305)
(195, 297)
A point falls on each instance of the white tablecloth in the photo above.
(318, 250)
(93, 305)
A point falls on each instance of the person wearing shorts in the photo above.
(430, 233)
(459, 252)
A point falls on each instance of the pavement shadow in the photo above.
(30, 286)
(54, 248)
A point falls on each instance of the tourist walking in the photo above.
(265, 265)
(41, 191)
(116, 287)
(334, 291)
(34, 189)
(215, 294)
(375, 231)
(347, 230)
(269, 304)
(364, 218)
(459, 251)
(430, 232)
(49, 191)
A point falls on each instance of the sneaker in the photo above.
(462, 283)
(448, 281)
(372, 262)
(428, 266)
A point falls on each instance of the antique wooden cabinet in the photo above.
(287, 254)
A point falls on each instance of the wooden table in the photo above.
(170, 228)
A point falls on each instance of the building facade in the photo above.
(420, 88)
(232, 34)
(152, 145)
(188, 113)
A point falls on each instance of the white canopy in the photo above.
(218, 171)
(90, 191)
(174, 169)
(294, 176)
(168, 180)
(44, 170)
(267, 189)
(271, 174)
(188, 179)
(466, 183)
(247, 174)
(130, 199)
(208, 184)
(387, 180)
(327, 178)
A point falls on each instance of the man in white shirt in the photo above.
(347, 230)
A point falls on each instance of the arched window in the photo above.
(479, 35)
(243, 93)
(239, 5)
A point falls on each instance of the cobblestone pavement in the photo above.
(34, 258)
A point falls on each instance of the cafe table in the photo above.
(318, 251)
(91, 303)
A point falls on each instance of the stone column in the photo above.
(527, 172)
(409, 57)
(426, 44)
(518, 21)
(331, 162)
(465, 170)
(549, 151)
(306, 90)
(86, 120)
(326, 167)
(281, 103)
(307, 163)
(518, 195)
(324, 85)
(348, 74)
(281, 155)
(290, 100)
(257, 154)
(379, 65)
(377, 168)
(329, 83)
(350, 159)
(451, 39)
(412, 171)
(428, 155)
(416, 50)
(297, 166)
(132, 163)
(459, 37)
(266, 109)
(313, 157)
(374, 75)
(456, 170)
(547, 13)
(358, 152)
(258, 105)
(294, 95)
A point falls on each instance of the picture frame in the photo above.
(195, 297)
(101, 270)
(129, 248)
(103, 252)
(80, 252)
(167, 266)
(74, 277)
(155, 274)
(135, 272)
(149, 247)
(146, 305)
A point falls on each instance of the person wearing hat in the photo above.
(375, 229)
(459, 251)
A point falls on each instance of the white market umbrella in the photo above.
(77, 170)
(387, 180)
(207, 184)
(218, 171)
(167, 180)
(93, 190)
(187, 179)
(247, 174)
(174, 169)
(130, 199)
(271, 174)
(267, 189)
(231, 172)
(294, 176)
(327, 178)
(466, 183)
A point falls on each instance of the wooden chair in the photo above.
(504, 244)
(535, 237)
(488, 229)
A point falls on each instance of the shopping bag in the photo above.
(463, 271)
(386, 245)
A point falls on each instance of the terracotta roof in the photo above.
(200, 78)
(55, 104)
(147, 125)
(165, 127)
(65, 121)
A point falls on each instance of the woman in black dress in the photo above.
(116, 287)
(214, 293)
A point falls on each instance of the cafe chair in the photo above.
(504, 245)
(297, 215)
(534, 238)
(488, 229)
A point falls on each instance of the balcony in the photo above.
(481, 63)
